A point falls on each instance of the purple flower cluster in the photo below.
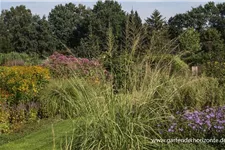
(62, 66)
(208, 120)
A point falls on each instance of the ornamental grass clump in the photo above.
(105, 119)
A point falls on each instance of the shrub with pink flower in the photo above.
(62, 66)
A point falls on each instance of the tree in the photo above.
(177, 24)
(155, 21)
(212, 45)
(17, 21)
(105, 15)
(190, 46)
(197, 18)
(135, 18)
(157, 33)
(5, 45)
(23, 32)
(218, 19)
(214, 54)
(132, 31)
(70, 23)
(209, 21)
(210, 15)
(45, 41)
(89, 46)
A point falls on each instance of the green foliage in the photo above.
(40, 135)
(155, 22)
(69, 23)
(118, 61)
(157, 37)
(215, 11)
(213, 54)
(96, 43)
(132, 34)
(105, 15)
(190, 46)
(89, 46)
(160, 43)
(197, 18)
(44, 42)
(176, 25)
(23, 32)
(4, 118)
(190, 40)
(5, 45)
(135, 19)
(16, 22)
(207, 21)
(100, 114)
(212, 45)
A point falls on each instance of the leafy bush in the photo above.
(22, 83)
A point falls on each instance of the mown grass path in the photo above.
(43, 138)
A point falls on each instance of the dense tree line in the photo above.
(197, 35)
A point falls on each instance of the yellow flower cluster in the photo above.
(23, 80)
(4, 122)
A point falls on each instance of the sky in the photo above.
(145, 8)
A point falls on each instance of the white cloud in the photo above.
(117, 0)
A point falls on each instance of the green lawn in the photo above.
(40, 139)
